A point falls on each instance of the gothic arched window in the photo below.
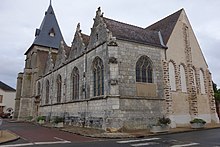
(75, 83)
(59, 88)
(98, 77)
(172, 76)
(47, 91)
(144, 70)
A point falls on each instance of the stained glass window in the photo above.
(59, 87)
(47, 91)
(75, 84)
(144, 72)
(98, 77)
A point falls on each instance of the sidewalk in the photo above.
(7, 136)
(96, 133)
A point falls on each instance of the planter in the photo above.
(197, 125)
(159, 129)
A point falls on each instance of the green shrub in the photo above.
(164, 121)
(41, 118)
(197, 120)
(58, 119)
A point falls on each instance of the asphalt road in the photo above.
(39, 136)
(31, 134)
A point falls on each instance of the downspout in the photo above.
(85, 85)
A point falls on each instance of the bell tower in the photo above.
(47, 37)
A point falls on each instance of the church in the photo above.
(120, 75)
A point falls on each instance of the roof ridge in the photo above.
(134, 26)
(165, 17)
(124, 23)
(129, 32)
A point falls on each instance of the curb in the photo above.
(139, 135)
(104, 137)
(184, 131)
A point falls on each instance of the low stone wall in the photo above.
(130, 113)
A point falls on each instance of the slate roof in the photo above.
(166, 25)
(49, 24)
(129, 32)
(5, 87)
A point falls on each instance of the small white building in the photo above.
(7, 99)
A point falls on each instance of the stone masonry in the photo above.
(94, 82)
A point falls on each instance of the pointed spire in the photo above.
(78, 28)
(98, 12)
(49, 34)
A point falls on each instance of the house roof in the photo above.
(129, 32)
(5, 87)
(49, 25)
(166, 25)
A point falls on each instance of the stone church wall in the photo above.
(197, 100)
(79, 63)
(114, 109)
(139, 111)
(77, 110)
(129, 53)
(181, 108)
(101, 52)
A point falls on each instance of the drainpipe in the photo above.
(85, 86)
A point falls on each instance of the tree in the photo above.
(216, 92)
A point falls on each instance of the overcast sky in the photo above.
(20, 18)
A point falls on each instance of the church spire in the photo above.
(49, 34)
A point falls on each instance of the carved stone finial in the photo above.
(98, 12)
(78, 27)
